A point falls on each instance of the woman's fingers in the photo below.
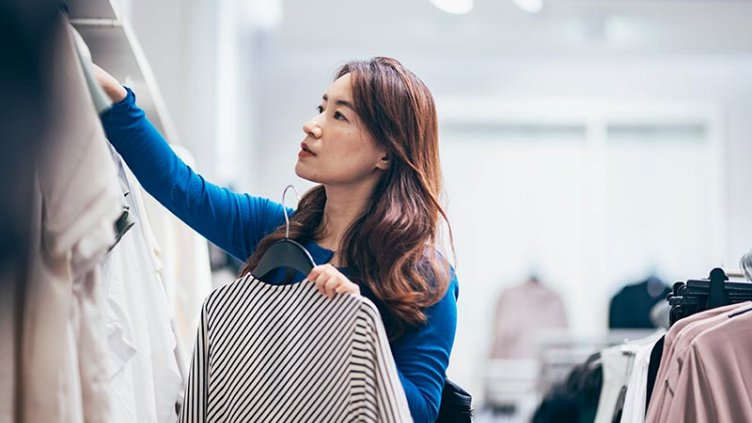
(331, 284)
(329, 281)
(350, 288)
(111, 86)
(319, 276)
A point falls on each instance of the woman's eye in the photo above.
(339, 116)
(320, 109)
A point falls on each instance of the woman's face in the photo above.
(337, 148)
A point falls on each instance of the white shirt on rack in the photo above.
(143, 369)
(634, 403)
(617, 367)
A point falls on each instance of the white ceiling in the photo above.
(499, 27)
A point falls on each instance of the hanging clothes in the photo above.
(677, 336)
(574, 399)
(101, 101)
(713, 385)
(523, 311)
(653, 366)
(287, 353)
(678, 345)
(615, 375)
(634, 402)
(183, 257)
(154, 249)
(63, 350)
(144, 370)
(8, 332)
(618, 364)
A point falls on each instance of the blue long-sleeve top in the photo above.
(237, 222)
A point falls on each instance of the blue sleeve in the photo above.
(234, 222)
(422, 356)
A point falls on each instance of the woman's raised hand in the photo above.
(111, 86)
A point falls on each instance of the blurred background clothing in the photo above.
(26, 29)
(631, 307)
(523, 312)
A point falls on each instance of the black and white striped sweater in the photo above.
(286, 353)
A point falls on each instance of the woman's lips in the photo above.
(305, 151)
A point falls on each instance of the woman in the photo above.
(371, 224)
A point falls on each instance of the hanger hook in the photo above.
(284, 209)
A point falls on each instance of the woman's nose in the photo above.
(312, 128)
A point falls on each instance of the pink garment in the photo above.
(522, 311)
(675, 352)
(713, 385)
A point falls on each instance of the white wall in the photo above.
(179, 39)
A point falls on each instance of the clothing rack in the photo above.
(96, 22)
(694, 296)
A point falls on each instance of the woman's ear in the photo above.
(383, 163)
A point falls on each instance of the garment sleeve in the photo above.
(234, 222)
(422, 356)
(196, 391)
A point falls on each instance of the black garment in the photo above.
(574, 400)
(655, 363)
(630, 308)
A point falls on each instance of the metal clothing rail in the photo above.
(97, 22)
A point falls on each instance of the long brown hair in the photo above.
(392, 247)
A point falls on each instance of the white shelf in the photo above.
(91, 9)
(115, 48)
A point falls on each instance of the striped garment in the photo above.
(286, 353)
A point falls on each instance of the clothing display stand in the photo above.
(115, 48)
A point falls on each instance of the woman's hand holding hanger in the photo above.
(331, 281)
